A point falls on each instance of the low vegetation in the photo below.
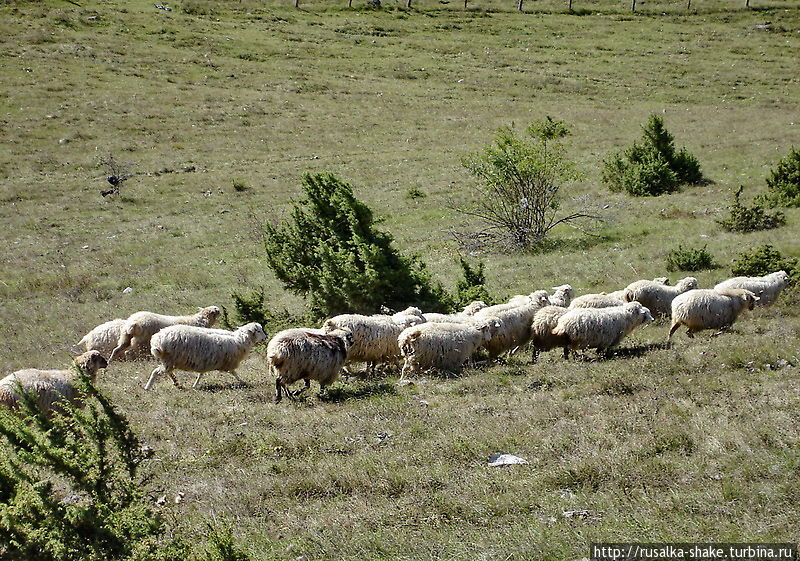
(691, 259)
(744, 219)
(784, 181)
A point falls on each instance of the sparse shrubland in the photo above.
(784, 181)
(744, 219)
(763, 260)
(690, 259)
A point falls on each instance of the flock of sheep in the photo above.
(424, 341)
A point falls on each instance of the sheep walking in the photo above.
(562, 296)
(537, 297)
(622, 294)
(658, 297)
(374, 337)
(596, 301)
(104, 338)
(444, 346)
(51, 387)
(473, 308)
(306, 354)
(542, 337)
(709, 309)
(767, 288)
(600, 328)
(141, 326)
(515, 326)
(199, 349)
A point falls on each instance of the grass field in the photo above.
(696, 443)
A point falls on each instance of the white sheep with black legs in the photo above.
(596, 301)
(658, 297)
(141, 326)
(515, 329)
(767, 288)
(542, 337)
(199, 349)
(374, 337)
(600, 328)
(50, 387)
(562, 296)
(306, 354)
(443, 346)
(709, 309)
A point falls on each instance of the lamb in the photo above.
(767, 288)
(306, 354)
(374, 337)
(542, 337)
(200, 349)
(515, 330)
(141, 326)
(562, 296)
(445, 346)
(600, 328)
(658, 297)
(596, 301)
(709, 309)
(51, 387)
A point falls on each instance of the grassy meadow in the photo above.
(216, 108)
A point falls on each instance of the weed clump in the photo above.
(745, 219)
(784, 181)
(690, 259)
(472, 286)
(652, 166)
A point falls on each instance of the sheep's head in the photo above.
(91, 361)
(662, 280)
(474, 307)
(684, 285)
(539, 298)
(209, 315)
(638, 311)
(782, 276)
(565, 290)
(254, 331)
(488, 327)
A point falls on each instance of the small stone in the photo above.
(179, 497)
(162, 500)
(85, 247)
(403, 383)
(782, 363)
(499, 460)
(127, 290)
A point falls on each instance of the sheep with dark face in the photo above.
(51, 387)
(141, 326)
(709, 309)
(306, 354)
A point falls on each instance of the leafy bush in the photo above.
(652, 166)
(750, 219)
(70, 490)
(472, 286)
(331, 253)
(784, 181)
(764, 260)
(690, 259)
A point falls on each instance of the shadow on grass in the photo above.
(619, 353)
(219, 387)
(342, 393)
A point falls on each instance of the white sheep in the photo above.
(200, 349)
(306, 354)
(515, 326)
(408, 317)
(141, 326)
(542, 337)
(596, 301)
(562, 296)
(600, 328)
(50, 386)
(622, 294)
(658, 297)
(444, 346)
(767, 288)
(539, 296)
(473, 308)
(374, 337)
(709, 309)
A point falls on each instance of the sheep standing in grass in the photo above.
(562, 296)
(50, 386)
(600, 328)
(445, 346)
(515, 329)
(658, 297)
(141, 326)
(709, 309)
(199, 349)
(306, 354)
(596, 301)
(767, 288)
(542, 337)
(374, 337)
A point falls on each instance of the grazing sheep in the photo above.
(767, 288)
(709, 309)
(515, 330)
(141, 326)
(596, 301)
(621, 294)
(473, 308)
(50, 386)
(199, 349)
(445, 346)
(374, 337)
(562, 296)
(306, 354)
(600, 328)
(658, 297)
(542, 337)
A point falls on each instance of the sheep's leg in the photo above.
(690, 333)
(123, 344)
(173, 378)
(278, 390)
(304, 388)
(157, 370)
(672, 330)
(197, 380)
(238, 379)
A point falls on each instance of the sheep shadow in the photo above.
(341, 392)
(216, 387)
(622, 352)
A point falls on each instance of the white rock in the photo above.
(127, 290)
(498, 460)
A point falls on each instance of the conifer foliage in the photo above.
(331, 253)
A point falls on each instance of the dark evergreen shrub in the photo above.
(745, 219)
(784, 181)
(690, 259)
